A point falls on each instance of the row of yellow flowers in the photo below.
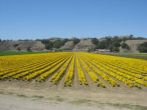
(70, 73)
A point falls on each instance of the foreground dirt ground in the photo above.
(21, 96)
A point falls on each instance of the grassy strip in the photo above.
(128, 55)
(7, 53)
(138, 55)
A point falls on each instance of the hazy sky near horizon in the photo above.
(31, 19)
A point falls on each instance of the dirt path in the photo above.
(19, 98)
(23, 102)
(23, 96)
(8, 102)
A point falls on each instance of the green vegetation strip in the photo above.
(138, 55)
(6, 53)
(129, 55)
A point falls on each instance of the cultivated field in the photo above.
(74, 69)
(72, 80)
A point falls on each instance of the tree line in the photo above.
(112, 43)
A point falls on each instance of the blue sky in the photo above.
(23, 19)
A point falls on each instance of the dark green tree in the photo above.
(58, 43)
(124, 46)
(102, 45)
(29, 49)
(143, 47)
(115, 49)
(75, 40)
(95, 41)
(115, 44)
(49, 45)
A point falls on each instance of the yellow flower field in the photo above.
(97, 69)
